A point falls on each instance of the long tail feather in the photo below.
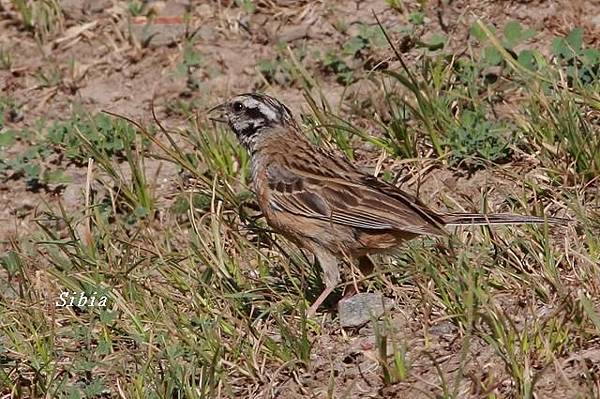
(456, 219)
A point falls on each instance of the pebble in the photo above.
(362, 308)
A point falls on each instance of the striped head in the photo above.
(251, 115)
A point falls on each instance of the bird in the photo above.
(325, 204)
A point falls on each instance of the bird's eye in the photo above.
(237, 106)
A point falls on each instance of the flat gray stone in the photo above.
(293, 33)
(362, 308)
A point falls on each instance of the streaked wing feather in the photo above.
(345, 202)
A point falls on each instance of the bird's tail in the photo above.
(456, 219)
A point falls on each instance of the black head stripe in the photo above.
(248, 130)
(287, 111)
(281, 109)
(254, 113)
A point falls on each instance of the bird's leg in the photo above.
(366, 267)
(331, 278)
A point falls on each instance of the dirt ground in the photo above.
(101, 62)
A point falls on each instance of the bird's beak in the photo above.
(218, 114)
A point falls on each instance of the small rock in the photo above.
(361, 308)
(442, 328)
(96, 6)
(207, 33)
(293, 33)
(71, 8)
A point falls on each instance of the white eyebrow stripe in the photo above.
(267, 111)
(264, 109)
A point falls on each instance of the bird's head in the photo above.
(252, 115)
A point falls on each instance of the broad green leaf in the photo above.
(590, 56)
(436, 42)
(575, 39)
(478, 33)
(417, 17)
(7, 138)
(354, 45)
(56, 177)
(56, 134)
(492, 56)
(32, 171)
(513, 33)
(528, 60)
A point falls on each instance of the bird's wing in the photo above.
(357, 201)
